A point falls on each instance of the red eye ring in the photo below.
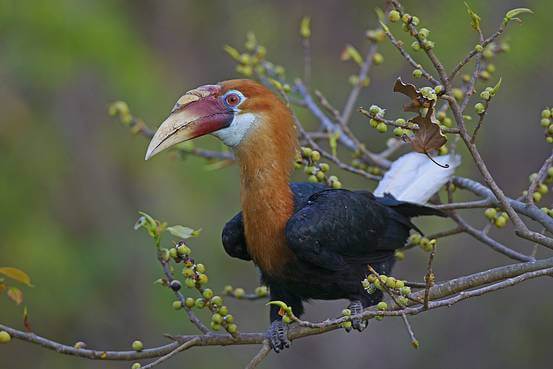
(232, 99)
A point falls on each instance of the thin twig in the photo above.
(186, 345)
(262, 354)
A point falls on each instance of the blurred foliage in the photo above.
(71, 181)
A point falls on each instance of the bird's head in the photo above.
(234, 111)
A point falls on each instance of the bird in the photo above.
(308, 241)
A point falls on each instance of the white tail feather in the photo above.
(415, 178)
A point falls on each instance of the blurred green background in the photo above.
(72, 180)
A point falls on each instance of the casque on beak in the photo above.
(196, 113)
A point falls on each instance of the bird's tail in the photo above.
(414, 178)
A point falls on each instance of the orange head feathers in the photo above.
(258, 126)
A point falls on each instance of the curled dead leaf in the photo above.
(418, 100)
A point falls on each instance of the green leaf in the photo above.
(281, 305)
(15, 294)
(511, 15)
(16, 274)
(474, 17)
(305, 27)
(183, 232)
(496, 87)
(145, 221)
(384, 26)
(351, 52)
(333, 142)
(380, 14)
(232, 52)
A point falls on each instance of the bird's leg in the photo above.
(359, 324)
(278, 335)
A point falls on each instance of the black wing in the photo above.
(233, 237)
(336, 227)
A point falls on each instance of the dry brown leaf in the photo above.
(429, 136)
(417, 99)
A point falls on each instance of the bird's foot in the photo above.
(357, 323)
(278, 335)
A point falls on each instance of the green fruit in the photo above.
(188, 272)
(136, 366)
(215, 326)
(415, 45)
(478, 48)
(200, 268)
(347, 324)
(315, 155)
(403, 301)
(217, 301)
(415, 21)
(382, 306)
(417, 73)
(261, 291)
(306, 152)
(382, 127)
(545, 122)
(137, 345)
(490, 213)
(336, 185)
(374, 110)
(324, 167)
(346, 312)
(391, 282)
(479, 108)
(190, 283)
(232, 328)
(458, 94)
(177, 305)
(312, 179)
(485, 95)
(378, 59)
(536, 196)
(217, 318)
(208, 293)
(189, 302)
(405, 290)
(394, 16)
(5, 337)
(423, 33)
(488, 54)
(400, 283)
(202, 279)
(373, 123)
(239, 293)
(406, 18)
(200, 303)
(398, 131)
(229, 318)
(223, 310)
(183, 250)
(415, 239)
(173, 253)
(546, 113)
(501, 222)
(428, 44)
(399, 255)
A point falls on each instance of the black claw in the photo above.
(278, 336)
(358, 324)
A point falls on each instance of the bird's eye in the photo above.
(232, 99)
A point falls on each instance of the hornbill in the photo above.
(308, 241)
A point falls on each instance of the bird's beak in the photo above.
(196, 113)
